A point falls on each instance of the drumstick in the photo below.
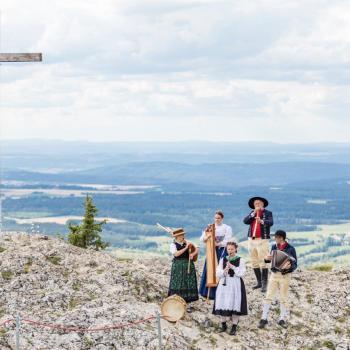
(189, 262)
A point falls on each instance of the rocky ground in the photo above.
(47, 280)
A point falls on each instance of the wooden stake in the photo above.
(20, 57)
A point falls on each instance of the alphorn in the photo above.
(167, 229)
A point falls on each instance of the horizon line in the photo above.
(175, 142)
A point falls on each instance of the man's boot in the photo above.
(282, 323)
(258, 278)
(223, 327)
(262, 323)
(233, 329)
(264, 277)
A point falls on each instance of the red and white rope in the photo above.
(79, 329)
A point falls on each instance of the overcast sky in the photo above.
(216, 70)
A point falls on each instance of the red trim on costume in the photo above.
(282, 246)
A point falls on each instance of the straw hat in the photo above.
(178, 232)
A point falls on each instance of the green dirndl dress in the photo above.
(183, 283)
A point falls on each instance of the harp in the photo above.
(212, 261)
(279, 259)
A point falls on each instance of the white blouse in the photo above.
(223, 232)
(173, 248)
(239, 271)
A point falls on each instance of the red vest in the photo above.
(257, 224)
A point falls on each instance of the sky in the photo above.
(136, 70)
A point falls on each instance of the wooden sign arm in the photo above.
(21, 57)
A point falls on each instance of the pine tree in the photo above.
(88, 234)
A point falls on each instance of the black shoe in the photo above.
(257, 272)
(282, 323)
(262, 323)
(223, 327)
(190, 309)
(264, 277)
(233, 329)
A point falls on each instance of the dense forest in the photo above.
(307, 185)
(293, 206)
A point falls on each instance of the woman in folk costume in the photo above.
(183, 279)
(231, 298)
(223, 233)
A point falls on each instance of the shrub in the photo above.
(6, 275)
(322, 267)
(54, 259)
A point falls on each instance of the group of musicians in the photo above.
(222, 276)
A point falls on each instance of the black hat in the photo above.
(251, 201)
(281, 233)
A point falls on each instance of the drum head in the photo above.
(173, 308)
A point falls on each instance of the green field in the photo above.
(313, 247)
(318, 240)
(323, 231)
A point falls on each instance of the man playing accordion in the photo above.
(283, 260)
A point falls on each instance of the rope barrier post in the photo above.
(159, 331)
(18, 328)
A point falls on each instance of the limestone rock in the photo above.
(50, 281)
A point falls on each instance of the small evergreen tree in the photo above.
(88, 233)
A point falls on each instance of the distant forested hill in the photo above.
(36, 155)
(208, 176)
(307, 186)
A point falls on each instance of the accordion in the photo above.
(280, 259)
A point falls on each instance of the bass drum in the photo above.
(173, 308)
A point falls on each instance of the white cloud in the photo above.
(176, 70)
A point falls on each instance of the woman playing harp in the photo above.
(222, 233)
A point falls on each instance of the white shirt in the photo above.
(223, 232)
(173, 248)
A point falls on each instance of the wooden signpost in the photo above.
(20, 57)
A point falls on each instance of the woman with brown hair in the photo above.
(223, 233)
